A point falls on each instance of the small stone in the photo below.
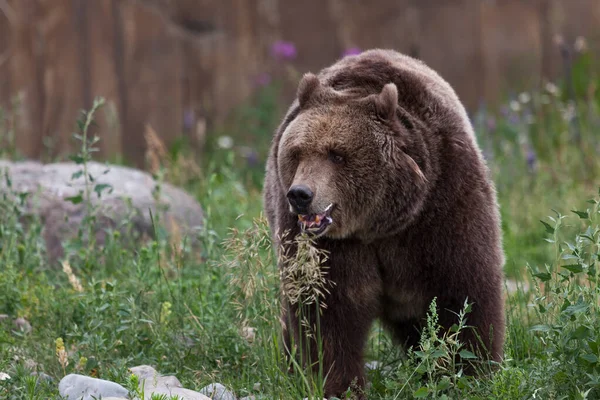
(79, 387)
(22, 325)
(4, 376)
(216, 391)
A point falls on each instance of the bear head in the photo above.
(345, 164)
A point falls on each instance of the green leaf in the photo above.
(99, 188)
(582, 214)
(421, 393)
(540, 328)
(549, 229)
(591, 358)
(77, 159)
(580, 333)
(466, 354)
(443, 385)
(576, 309)
(543, 276)
(75, 199)
(574, 268)
(77, 174)
(438, 353)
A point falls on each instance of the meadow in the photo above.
(210, 313)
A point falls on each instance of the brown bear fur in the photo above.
(387, 141)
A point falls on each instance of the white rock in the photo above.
(151, 382)
(4, 376)
(216, 391)
(144, 371)
(79, 387)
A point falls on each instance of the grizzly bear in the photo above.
(377, 161)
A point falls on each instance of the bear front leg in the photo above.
(341, 327)
(332, 342)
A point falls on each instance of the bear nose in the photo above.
(300, 197)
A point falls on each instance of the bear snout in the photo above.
(300, 197)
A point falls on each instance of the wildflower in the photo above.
(283, 50)
(568, 113)
(250, 154)
(531, 159)
(165, 311)
(81, 364)
(515, 106)
(225, 142)
(524, 97)
(61, 353)
(188, 119)
(4, 376)
(580, 44)
(552, 89)
(352, 51)
(73, 280)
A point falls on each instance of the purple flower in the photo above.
(352, 51)
(263, 79)
(491, 124)
(531, 159)
(283, 50)
(251, 156)
(188, 119)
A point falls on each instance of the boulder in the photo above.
(80, 387)
(123, 197)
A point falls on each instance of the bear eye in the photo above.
(334, 157)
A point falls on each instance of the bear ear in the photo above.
(307, 88)
(387, 102)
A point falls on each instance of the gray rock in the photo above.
(22, 325)
(216, 391)
(153, 383)
(79, 387)
(144, 371)
(130, 199)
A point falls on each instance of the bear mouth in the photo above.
(316, 224)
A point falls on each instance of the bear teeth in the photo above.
(314, 222)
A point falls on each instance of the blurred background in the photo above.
(183, 66)
(200, 85)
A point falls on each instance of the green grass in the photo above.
(187, 311)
